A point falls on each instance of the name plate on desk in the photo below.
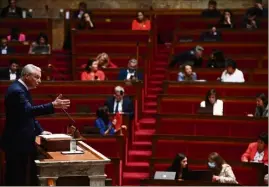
(55, 142)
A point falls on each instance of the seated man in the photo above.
(4, 48)
(194, 55)
(119, 102)
(213, 35)
(211, 11)
(11, 11)
(232, 74)
(257, 151)
(131, 73)
(259, 9)
(11, 73)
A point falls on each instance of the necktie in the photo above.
(117, 107)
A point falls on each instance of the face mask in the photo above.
(211, 164)
(131, 70)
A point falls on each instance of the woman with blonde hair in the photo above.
(104, 61)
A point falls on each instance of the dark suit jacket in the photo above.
(21, 127)
(126, 108)
(5, 75)
(188, 56)
(18, 12)
(123, 74)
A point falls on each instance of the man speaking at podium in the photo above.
(21, 127)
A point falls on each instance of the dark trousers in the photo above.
(21, 169)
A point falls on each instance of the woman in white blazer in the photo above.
(212, 99)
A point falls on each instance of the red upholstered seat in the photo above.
(227, 48)
(120, 60)
(24, 24)
(119, 48)
(111, 36)
(199, 150)
(221, 126)
(223, 91)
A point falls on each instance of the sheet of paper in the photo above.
(56, 136)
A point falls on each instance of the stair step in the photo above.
(150, 105)
(133, 178)
(161, 63)
(147, 120)
(145, 132)
(151, 98)
(145, 146)
(139, 156)
(136, 167)
(156, 82)
(150, 111)
(147, 123)
(144, 135)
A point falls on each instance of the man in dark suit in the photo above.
(21, 128)
(82, 8)
(194, 56)
(4, 48)
(211, 11)
(11, 73)
(11, 11)
(131, 73)
(120, 103)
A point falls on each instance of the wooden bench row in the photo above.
(223, 89)
(212, 74)
(204, 125)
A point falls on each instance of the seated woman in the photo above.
(257, 151)
(211, 100)
(226, 20)
(187, 75)
(41, 45)
(180, 166)
(250, 21)
(103, 123)
(217, 60)
(261, 106)
(104, 61)
(85, 22)
(16, 35)
(222, 172)
(141, 22)
(92, 73)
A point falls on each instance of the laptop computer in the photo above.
(205, 110)
(165, 175)
(201, 175)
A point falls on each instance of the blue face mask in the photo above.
(212, 164)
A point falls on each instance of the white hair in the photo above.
(119, 89)
(29, 69)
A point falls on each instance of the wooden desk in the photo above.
(223, 89)
(154, 182)
(55, 165)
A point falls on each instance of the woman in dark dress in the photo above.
(180, 166)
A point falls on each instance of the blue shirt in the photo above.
(100, 124)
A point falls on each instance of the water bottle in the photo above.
(73, 145)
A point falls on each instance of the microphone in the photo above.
(69, 117)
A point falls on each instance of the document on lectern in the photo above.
(56, 136)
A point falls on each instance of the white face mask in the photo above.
(212, 164)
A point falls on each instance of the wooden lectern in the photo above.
(52, 163)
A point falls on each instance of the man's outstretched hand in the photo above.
(61, 103)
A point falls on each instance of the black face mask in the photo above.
(131, 70)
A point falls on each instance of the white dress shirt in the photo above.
(217, 107)
(237, 76)
(4, 51)
(258, 156)
(119, 107)
(12, 76)
(129, 74)
(23, 84)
